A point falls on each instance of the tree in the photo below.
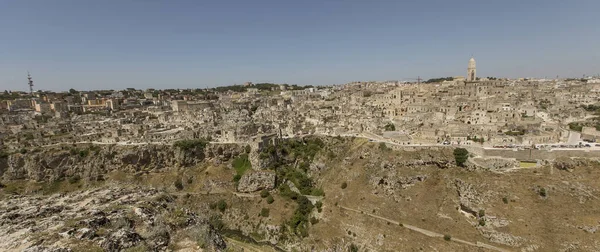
(73, 91)
(439, 79)
(270, 199)
(264, 212)
(461, 155)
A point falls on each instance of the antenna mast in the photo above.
(30, 83)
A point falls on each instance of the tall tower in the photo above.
(30, 83)
(471, 71)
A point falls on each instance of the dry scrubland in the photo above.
(358, 184)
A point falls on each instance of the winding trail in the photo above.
(427, 232)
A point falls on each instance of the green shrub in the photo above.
(344, 185)
(313, 221)
(270, 199)
(317, 192)
(23, 151)
(222, 205)
(237, 177)
(264, 212)
(319, 206)
(481, 222)
(84, 153)
(216, 222)
(505, 200)
(390, 127)
(286, 192)
(299, 221)
(74, 179)
(191, 144)
(447, 237)
(178, 184)
(241, 164)
(481, 213)
(264, 193)
(383, 146)
(575, 126)
(352, 247)
(543, 192)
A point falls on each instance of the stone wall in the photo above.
(541, 154)
(508, 153)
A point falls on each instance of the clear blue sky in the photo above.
(113, 44)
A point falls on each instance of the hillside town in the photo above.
(488, 112)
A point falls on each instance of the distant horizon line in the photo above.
(409, 80)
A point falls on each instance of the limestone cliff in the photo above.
(92, 162)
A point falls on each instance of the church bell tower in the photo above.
(471, 71)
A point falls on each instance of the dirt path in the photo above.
(428, 232)
(248, 246)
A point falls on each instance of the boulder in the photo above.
(567, 164)
(256, 180)
(85, 233)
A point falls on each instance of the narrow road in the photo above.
(428, 232)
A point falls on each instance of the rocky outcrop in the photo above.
(395, 183)
(491, 163)
(122, 239)
(108, 217)
(254, 181)
(469, 198)
(223, 152)
(502, 238)
(569, 163)
(46, 249)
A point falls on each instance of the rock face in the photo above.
(256, 180)
(91, 163)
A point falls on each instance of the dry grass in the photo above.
(527, 164)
